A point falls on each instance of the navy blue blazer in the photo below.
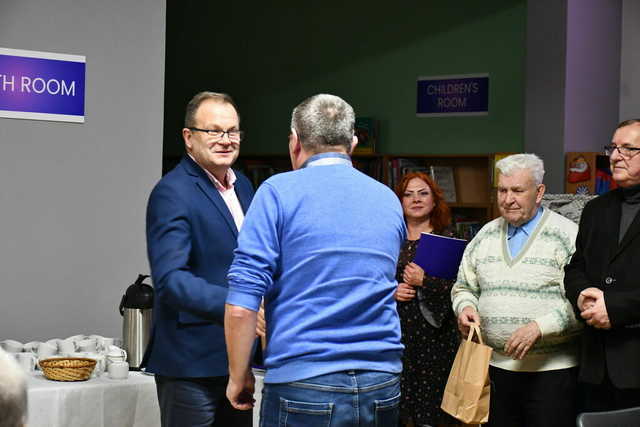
(191, 237)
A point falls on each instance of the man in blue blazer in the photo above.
(193, 218)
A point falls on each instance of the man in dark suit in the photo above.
(602, 281)
(193, 218)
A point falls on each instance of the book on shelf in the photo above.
(439, 256)
(399, 167)
(467, 229)
(367, 130)
(443, 176)
(369, 166)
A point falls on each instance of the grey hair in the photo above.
(515, 162)
(324, 122)
(13, 392)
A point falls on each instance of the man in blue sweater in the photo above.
(320, 244)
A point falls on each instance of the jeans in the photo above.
(201, 402)
(339, 399)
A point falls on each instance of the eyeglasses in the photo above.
(623, 150)
(217, 135)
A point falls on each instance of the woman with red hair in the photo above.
(429, 330)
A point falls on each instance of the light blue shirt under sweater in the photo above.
(321, 244)
(517, 237)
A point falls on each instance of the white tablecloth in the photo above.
(98, 402)
(257, 395)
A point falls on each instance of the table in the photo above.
(97, 402)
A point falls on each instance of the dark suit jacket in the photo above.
(601, 262)
(191, 236)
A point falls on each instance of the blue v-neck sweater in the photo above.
(321, 244)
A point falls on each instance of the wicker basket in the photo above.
(67, 368)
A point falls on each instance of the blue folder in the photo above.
(440, 256)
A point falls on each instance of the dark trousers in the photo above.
(606, 397)
(201, 402)
(533, 399)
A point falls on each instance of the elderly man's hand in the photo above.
(521, 340)
(595, 314)
(405, 292)
(467, 317)
(413, 274)
(584, 301)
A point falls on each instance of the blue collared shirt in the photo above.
(517, 237)
(328, 158)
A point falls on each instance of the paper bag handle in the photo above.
(475, 328)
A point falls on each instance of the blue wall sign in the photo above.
(460, 95)
(42, 85)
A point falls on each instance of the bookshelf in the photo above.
(473, 176)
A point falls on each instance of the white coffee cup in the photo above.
(80, 354)
(100, 363)
(116, 354)
(106, 343)
(12, 346)
(118, 370)
(54, 342)
(46, 350)
(66, 346)
(76, 337)
(27, 361)
(31, 347)
(89, 345)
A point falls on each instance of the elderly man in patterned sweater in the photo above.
(511, 282)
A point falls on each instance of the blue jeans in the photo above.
(201, 402)
(340, 399)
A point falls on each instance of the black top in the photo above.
(630, 208)
(430, 336)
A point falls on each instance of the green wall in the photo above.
(272, 58)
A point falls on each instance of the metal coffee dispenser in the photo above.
(136, 309)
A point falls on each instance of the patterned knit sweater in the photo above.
(509, 293)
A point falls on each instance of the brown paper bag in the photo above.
(466, 395)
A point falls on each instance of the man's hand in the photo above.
(584, 301)
(241, 395)
(467, 317)
(261, 325)
(521, 340)
(405, 292)
(595, 314)
(413, 274)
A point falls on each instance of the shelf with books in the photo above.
(259, 167)
(468, 178)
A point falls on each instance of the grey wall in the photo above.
(73, 196)
(545, 85)
(630, 61)
(572, 79)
